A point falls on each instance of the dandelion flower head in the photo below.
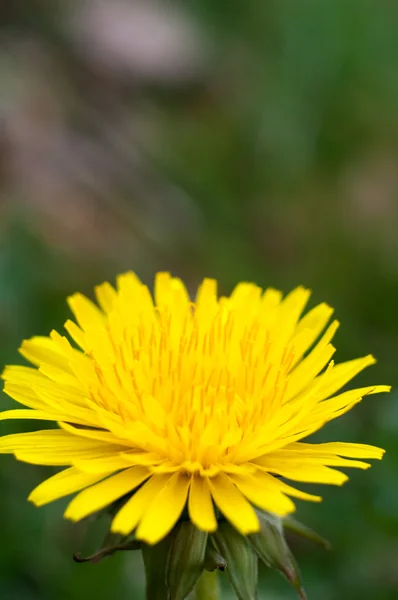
(175, 405)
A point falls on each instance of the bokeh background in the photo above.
(251, 140)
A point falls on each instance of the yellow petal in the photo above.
(233, 504)
(132, 511)
(76, 334)
(266, 499)
(268, 481)
(132, 292)
(350, 450)
(106, 463)
(67, 411)
(334, 407)
(288, 314)
(245, 293)
(312, 323)
(53, 447)
(241, 469)
(28, 413)
(270, 303)
(41, 350)
(49, 398)
(106, 296)
(207, 293)
(342, 374)
(48, 439)
(94, 434)
(59, 395)
(165, 510)
(62, 377)
(104, 493)
(308, 369)
(200, 505)
(24, 395)
(87, 314)
(128, 284)
(21, 375)
(62, 484)
(148, 459)
(307, 421)
(300, 471)
(309, 457)
(170, 291)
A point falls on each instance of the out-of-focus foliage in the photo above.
(240, 140)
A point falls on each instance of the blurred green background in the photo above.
(251, 140)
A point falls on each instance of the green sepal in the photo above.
(272, 549)
(241, 560)
(112, 543)
(207, 587)
(214, 560)
(306, 532)
(186, 559)
(155, 560)
(107, 551)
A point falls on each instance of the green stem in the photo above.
(207, 587)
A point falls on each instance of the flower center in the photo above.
(194, 387)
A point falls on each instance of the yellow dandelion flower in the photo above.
(169, 403)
